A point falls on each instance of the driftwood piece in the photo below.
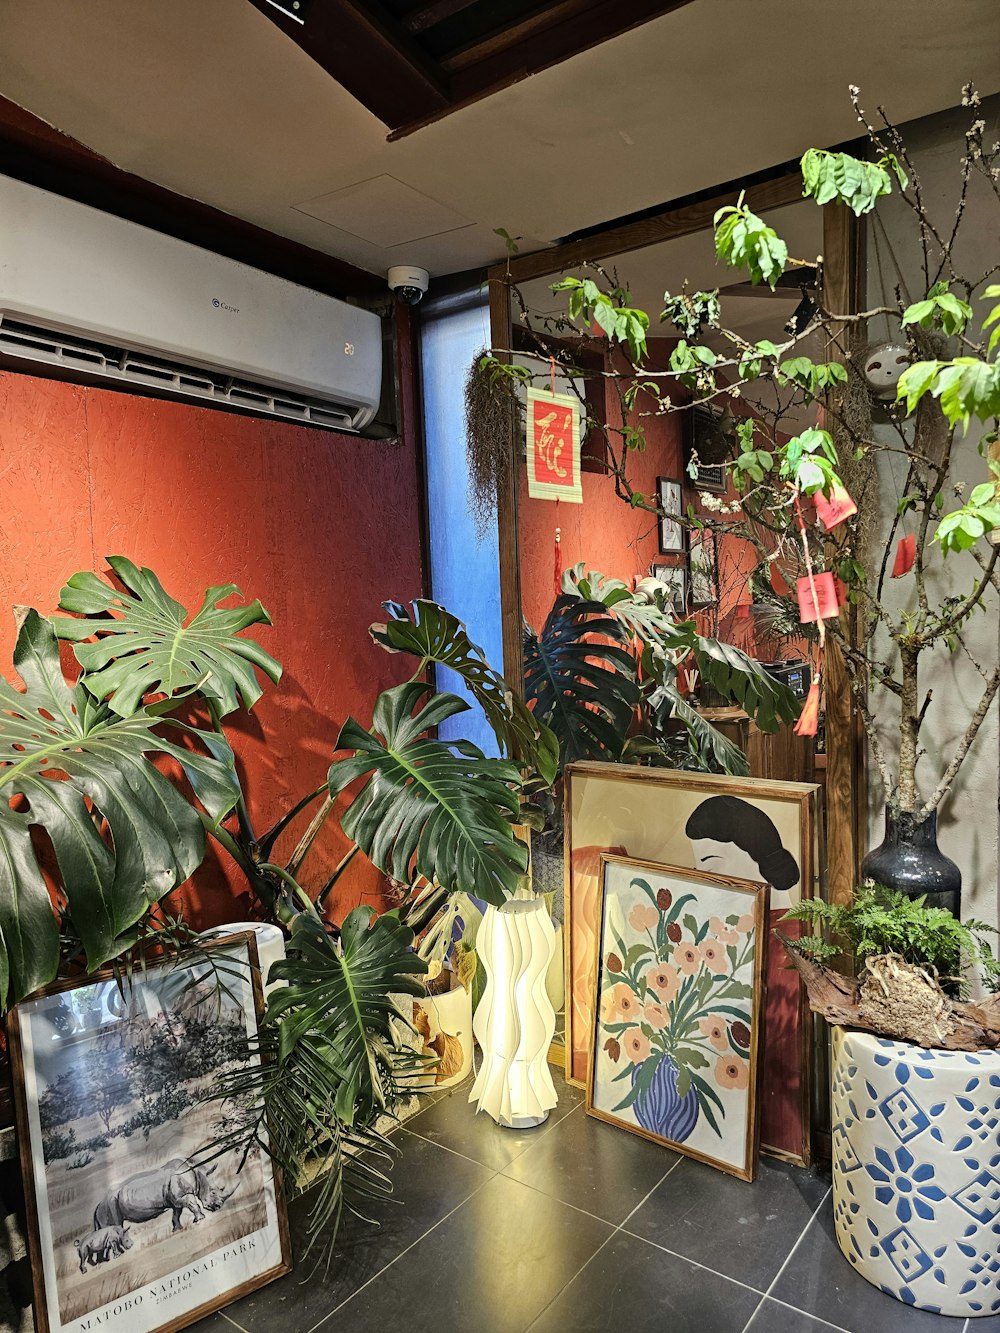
(899, 1001)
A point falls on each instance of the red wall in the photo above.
(604, 531)
(610, 536)
(320, 527)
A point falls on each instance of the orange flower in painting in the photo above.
(621, 1002)
(656, 1016)
(688, 957)
(715, 1030)
(664, 981)
(636, 1046)
(731, 1072)
(715, 957)
(643, 916)
(723, 933)
(745, 924)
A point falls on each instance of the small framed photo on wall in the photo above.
(676, 579)
(705, 442)
(669, 497)
(704, 564)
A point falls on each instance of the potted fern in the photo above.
(916, 1094)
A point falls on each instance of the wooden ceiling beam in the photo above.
(430, 15)
(668, 224)
(579, 31)
(370, 55)
(509, 35)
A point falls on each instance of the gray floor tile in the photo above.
(453, 1122)
(740, 1229)
(593, 1166)
(492, 1266)
(630, 1285)
(773, 1317)
(819, 1280)
(428, 1183)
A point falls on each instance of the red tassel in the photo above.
(557, 565)
(906, 554)
(809, 717)
(836, 509)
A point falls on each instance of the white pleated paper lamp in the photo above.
(515, 1022)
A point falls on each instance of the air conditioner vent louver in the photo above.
(51, 348)
(109, 300)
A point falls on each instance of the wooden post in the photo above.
(507, 530)
(846, 786)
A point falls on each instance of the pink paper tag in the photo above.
(836, 509)
(826, 598)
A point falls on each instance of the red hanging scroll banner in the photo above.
(554, 447)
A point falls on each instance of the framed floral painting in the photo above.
(745, 828)
(678, 1006)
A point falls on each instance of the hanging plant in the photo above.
(492, 416)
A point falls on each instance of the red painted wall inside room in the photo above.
(320, 527)
(604, 531)
(608, 535)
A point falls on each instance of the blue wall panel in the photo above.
(465, 570)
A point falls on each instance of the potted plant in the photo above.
(125, 836)
(916, 1094)
(603, 672)
(454, 985)
(805, 498)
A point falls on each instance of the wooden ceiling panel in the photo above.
(413, 61)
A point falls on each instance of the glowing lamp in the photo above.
(515, 1022)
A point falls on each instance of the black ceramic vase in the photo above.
(910, 861)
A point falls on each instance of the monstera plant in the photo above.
(602, 674)
(95, 837)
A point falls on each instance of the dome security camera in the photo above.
(408, 283)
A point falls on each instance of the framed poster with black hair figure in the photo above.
(742, 828)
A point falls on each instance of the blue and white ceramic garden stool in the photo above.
(916, 1171)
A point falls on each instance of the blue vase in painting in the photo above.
(661, 1109)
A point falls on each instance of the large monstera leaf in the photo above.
(581, 679)
(344, 990)
(122, 833)
(650, 622)
(431, 808)
(740, 678)
(435, 635)
(332, 1063)
(144, 643)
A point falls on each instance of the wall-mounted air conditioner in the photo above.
(88, 292)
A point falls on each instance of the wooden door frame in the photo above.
(843, 285)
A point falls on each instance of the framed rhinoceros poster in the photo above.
(133, 1224)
